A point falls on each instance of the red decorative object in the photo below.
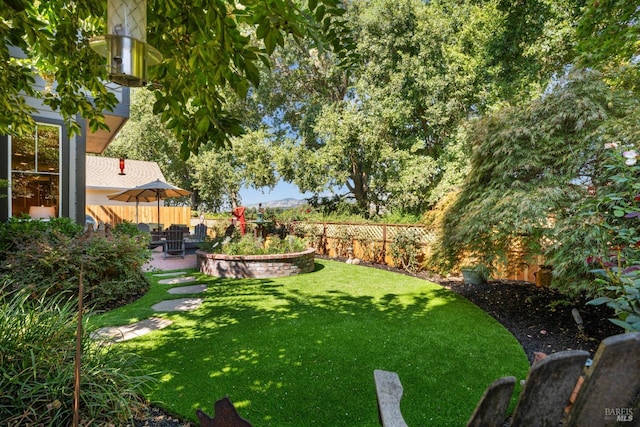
(121, 166)
(239, 214)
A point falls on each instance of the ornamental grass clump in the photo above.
(37, 348)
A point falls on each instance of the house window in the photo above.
(35, 170)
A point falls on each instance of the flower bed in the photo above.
(256, 266)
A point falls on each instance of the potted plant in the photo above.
(543, 276)
(475, 274)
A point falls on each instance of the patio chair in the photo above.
(144, 227)
(173, 243)
(200, 233)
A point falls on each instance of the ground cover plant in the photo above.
(301, 350)
(250, 245)
(37, 344)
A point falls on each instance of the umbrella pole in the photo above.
(137, 221)
(158, 197)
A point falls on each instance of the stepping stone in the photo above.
(193, 289)
(180, 304)
(177, 280)
(127, 332)
(175, 273)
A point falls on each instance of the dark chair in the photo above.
(174, 243)
(200, 233)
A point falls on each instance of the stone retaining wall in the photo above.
(256, 266)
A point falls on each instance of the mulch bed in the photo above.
(540, 319)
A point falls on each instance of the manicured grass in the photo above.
(300, 351)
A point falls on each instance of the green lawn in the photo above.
(300, 351)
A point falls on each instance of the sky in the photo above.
(283, 190)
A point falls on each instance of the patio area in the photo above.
(171, 263)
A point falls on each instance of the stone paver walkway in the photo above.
(158, 263)
(180, 304)
(177, 280)
(193, 289)
(134, 330)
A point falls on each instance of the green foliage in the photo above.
(342, 240)
(406, 249)
(310, 233)
(220, 46)
(18, 230)
(614, 215)
(249, 245)
(219, 174)
(536, 42)
(129, 229)
(37, 342)
(608, 32)
(371, 249)
(46, 260)
(529, 165)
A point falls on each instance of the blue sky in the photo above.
(283, 190)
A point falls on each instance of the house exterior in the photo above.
(104, 178)
(47, 169)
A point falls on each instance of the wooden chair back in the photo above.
(559, 390)
(200, 232)
(174, 242)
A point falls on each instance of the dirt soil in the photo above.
(540, 319)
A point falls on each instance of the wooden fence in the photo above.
(372, 242)
(116, 214)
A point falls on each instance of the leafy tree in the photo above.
(531, 166)
(536, 43)
(214, 176)
(53, 37)
(208, 45)
(608, 33)
(219, 174)
(386, 138)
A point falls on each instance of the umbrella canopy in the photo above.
(149, 192)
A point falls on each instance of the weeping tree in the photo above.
(531, 167)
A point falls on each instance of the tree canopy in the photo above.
(208, 46)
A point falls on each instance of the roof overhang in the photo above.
(98, 141)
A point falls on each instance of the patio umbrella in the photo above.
(149, 192)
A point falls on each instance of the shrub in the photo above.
(614, 212)
(371, 250)
(311, 233)
(18, 230)
(529, 166)
(405, 249)
(249, 245)
(50, 261)
(342, 240)
(37, 346)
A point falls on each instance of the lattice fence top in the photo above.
(373, 232)
(377, 232)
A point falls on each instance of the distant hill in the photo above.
(282, 203)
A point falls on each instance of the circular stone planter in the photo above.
(256, 266)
